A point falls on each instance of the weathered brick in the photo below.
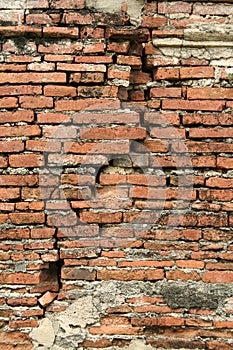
(26, 160)
(174, 7)
(196, 72)
(19, 131)
(196, 105)
(32, 78)
(58, 90)
(35, 102)
(153, 21)
(27, 218)
(113, 133)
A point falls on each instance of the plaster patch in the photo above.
(134, 8)
(44, 334)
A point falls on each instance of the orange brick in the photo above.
(22, 130)
(166, 73)
(32, 78)
(196, 72)
(218, 277)
(26, 160)
(35, 102)
(206, 105)
(8, 102)
(58, 90)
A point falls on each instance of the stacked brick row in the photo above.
(116, 170)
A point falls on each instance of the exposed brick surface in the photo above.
(116, 175)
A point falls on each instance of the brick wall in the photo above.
(116, 175)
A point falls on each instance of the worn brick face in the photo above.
(116, 174)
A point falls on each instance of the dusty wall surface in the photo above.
(116, 175)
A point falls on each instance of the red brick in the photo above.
(41, 233)
(74, 273)
(213, 220)
(210, 93)
(94, 59)
(90, 32)
(42, 146)
(20, 31)
(212, 9)
(206, 105)
(77, 18)
(153, 21)
(140, 35)
(206, 147)
(224, 163)
(19, 278)
(97, 148)
(152, 62)
(98, 91)
(140, 77)
(116, 47)
(10, 193)
(167, 133)
(87, 78)
(174, 7)
(158, 118)
(86, 104)
(182, 275)
(166, 33)
(165, 92)
(133, 61)
(11, 146)
(94, 48)
(190, 264)
(8, 102)
(23, 323)
(119, 72)
(41, 66)
(38, 4)
(106, 118)
(229, 104)
(42, 18)
(22, 301)
(208, 119)
(35, 102)
(136, 95)
(32, 78)
(22, 130)
(210, 133)
(3, 162)
(58, 58)
(166, 73)
(196, 72)
(101, 217)
(27, 218)
(117, 133)
(26, 160)
(58, 48)
(47, 298)
(126, 275)
(61, 32)
(13, 67)
(217, 277)
(120, 330)
(216, 195)
(58, 90)
(20, 90)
